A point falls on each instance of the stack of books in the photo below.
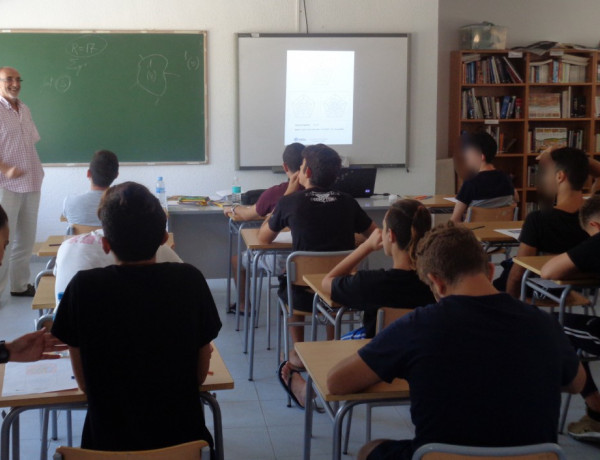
(544, 138)
(568, 68)
(489, 70)
(557, 105)
(489, 107)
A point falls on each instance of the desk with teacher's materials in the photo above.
(203, 236)
(219, 378)
(318, 359)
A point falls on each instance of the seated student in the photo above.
(583, 330)
(83, 209)
(83, 252)
(554, 230)
(484, 369)
(404, 225)
(139, 333)
(320, 219)
(486, 186)
(292, 159)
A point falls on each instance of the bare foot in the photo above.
(295, 361)
(298, 384)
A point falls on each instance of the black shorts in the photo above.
(393, 450)
(303, 296)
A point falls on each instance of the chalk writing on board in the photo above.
(76, 65)
(86, 46)
(192, 62)
(61, 84)
(152, 74)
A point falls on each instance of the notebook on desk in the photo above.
(358, 182)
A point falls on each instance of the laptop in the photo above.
(358, 182)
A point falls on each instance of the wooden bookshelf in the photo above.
(518, 159)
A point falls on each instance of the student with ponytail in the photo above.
(405, 223)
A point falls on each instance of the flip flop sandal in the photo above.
(231, 310)
(287, 386)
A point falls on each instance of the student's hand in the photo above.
(35, 346)
(545, 155)
(227, 210)
(375, 240)
(12, 172)
(293, 184)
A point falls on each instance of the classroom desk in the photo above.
(319, 358)
(202, 235)
(49, 248)
(256, 250)
(533, 266)
(437, 204)
(75, 399)
(45, 298)
(486, 231)
(323, 304)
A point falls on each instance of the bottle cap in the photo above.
(160, 178)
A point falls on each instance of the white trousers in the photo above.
(22, 210)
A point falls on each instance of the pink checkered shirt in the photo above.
(18, 136)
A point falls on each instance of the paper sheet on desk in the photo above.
(451, 198)
(39, 377)
(284, 237)
(512, 232)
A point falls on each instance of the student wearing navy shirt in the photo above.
(404, 225)
(583, 330)
(320, 219)
(473, 360)
(140, 349)
(564, 172)
(486, 186)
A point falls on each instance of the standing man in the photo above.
(21, 176)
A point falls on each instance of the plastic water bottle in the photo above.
(161, 192)
(236, 191)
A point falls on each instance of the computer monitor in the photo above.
(358, 182)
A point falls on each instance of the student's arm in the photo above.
(204, 355)
(459, 211)
(347, 265)
(516, 197)
(242, 212)
(77, 367)
(559, 267)
(293, 184)
(594, 168)
(576, 386)
(513, 283)
(351, 376)
(265, 234)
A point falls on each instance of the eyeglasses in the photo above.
(12, 80)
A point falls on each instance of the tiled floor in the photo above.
(257, 423)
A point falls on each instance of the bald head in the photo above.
(10, 83)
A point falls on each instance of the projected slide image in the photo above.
(319, 101)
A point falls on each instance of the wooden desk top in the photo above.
(250, 237)
(535, 264)
(320, 357)
(489, 234)
(220, 380)
(435, 201)
(314, 282)
(44, 298)
(49, 248)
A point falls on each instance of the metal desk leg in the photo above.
(337, 427)
(308, 417)
(54, 415)
(239, 274)
(211, 401)
(44, 443)
(229, 270)
(315, 315)
(16, 439)
(247, 306)
(253, 308)
(524, 285)
(339, 316)
(562, 304)
(69, 414)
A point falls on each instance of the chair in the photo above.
(77, 229)
(188, 451)
(449, 452)
(298, 264)
(503, 214)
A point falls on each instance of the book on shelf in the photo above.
(597, 106)
(567, 68)
(544, 105)
(489, 107)
(530, 206)
(597, 141)
(489, 70)
(504, 145)
(532, 171)
(544, 138)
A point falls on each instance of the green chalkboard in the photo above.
(141, 95)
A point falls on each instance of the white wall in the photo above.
(222, 19)
(528, 21)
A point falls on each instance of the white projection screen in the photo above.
(349, 91)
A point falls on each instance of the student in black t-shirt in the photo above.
(320, 219)
(583, 330)
(554, 230)
(138, 333)
(404, 225)
(485, 186)
(484, 369)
